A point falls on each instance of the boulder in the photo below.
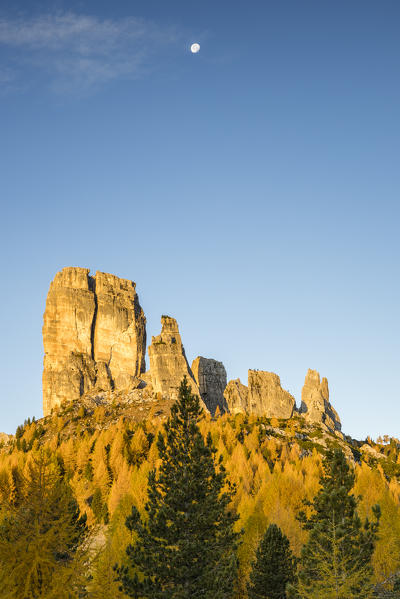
(210, 376)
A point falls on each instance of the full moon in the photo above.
(194, 48)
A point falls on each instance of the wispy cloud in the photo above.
(80, 51)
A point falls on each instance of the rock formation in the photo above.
(236, 397)
(264, 396)
(168, 363)
(119, 343)
(210, 377)
(94, 335)
(315, 405)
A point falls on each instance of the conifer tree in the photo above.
(41, 536)
(274, 567)
(336, 560)
(186, 548)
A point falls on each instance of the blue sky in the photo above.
(251, 190)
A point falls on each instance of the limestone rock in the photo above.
(236, 397)
(93, 335)
(315, 405)
(210, 376)
(168, 363)
(266, 396)
(119, 333)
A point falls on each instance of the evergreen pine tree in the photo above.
(336, 560)
(186, 547)
(274, 567)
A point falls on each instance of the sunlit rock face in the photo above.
(119, 340)
(236, 397)
(210, 376)
(264, 396)
(315, 405)
(94, 335)
(168, 363)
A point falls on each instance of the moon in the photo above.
(194, 48)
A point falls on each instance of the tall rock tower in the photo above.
(315, 404)
(94, 335)
(168, 363)
(210, 376)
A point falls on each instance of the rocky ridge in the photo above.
(94, 336)
(264, 396)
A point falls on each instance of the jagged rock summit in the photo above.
(264, 396)
(168, 366)
(168, 363)
(315, 405)
(210, 377)
(236, 396)
(94, 335)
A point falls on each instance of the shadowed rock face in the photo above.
(315, 405)
(168, 363)
(264, 396)
(210, 377)
(94, 335)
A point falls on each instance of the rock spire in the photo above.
(315, 405)
(168, 363)
(210, 376)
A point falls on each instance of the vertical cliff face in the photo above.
(210, 376)
(119, 339)
(264, 396)
(315, 405)
(94, 335)
(236, 396)
(168, 363)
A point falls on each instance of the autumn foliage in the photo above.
(104, 458)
